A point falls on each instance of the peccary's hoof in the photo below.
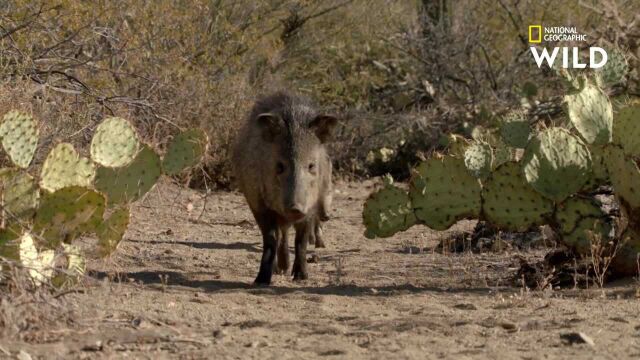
(262, 280)
(280, 271)
(298, 276)
(320, 243)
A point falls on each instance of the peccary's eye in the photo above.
(312, 167)
(279, 168)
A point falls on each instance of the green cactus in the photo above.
(67, 213)
(591, 113)
(19, 134)
(456, 145)
(19, 195)
(510, 203)
(65, 167)
(502, 154)
(442, 192)
(579, 220)
(185, 150)
(614, 71)
(624, 174)
(111, 231)
(626, 130)
(515, 129)
(387, 211)
(129, 183)
(478, 159)
(114, 143)
(557, 164)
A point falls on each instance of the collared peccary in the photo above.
(282, 168)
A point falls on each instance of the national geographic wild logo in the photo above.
(568, 57)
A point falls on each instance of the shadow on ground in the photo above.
(176, 280)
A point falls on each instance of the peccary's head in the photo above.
(296, 134)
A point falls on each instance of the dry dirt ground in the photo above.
(180, 287)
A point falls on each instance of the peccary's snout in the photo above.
(295, 213)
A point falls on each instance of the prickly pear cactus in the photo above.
(185, 150)
(19, 195)
(387, 211)
(626, 130)
(614, 71)
(19, 134)
(580, 220)
(111, 231)
(456, 145)
(515, 129)
(129, 183)
(442, 192)
(38, 264)
(510, 203)
(65, 167)
(624, 174)
(114, 143)
(478, 159)
(557, 164)
(591, 113)
(67, 213)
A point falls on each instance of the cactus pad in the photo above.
(478, 160)
(19, 195)
(111, 232)
(456, 145)
(502, 154)
(65, 167)
(556, 163)
(624, 174)
(442, 192)
(510, 203)
(591, 113)
(626, 130)
(185, 150)
(19, 134)
(129, 183)
(614, 70)
(40, 265)
(114, 143)
(68, 212)
(515, 129)
(579, 220)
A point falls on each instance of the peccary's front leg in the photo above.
(267, 222)
(283, 251)
(303, 230)
(317, 231)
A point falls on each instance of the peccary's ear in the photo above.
(271, 125)
(323, 126)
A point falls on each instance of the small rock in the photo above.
(508, 325)
(23, 355)
(576, 338)
(136, 322)
(313, 259)
(219, 333)
(97, 346)
(465, 307)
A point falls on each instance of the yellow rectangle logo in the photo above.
(538, 39)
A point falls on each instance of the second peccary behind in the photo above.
(283, 170)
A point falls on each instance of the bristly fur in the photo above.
(282, 167)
